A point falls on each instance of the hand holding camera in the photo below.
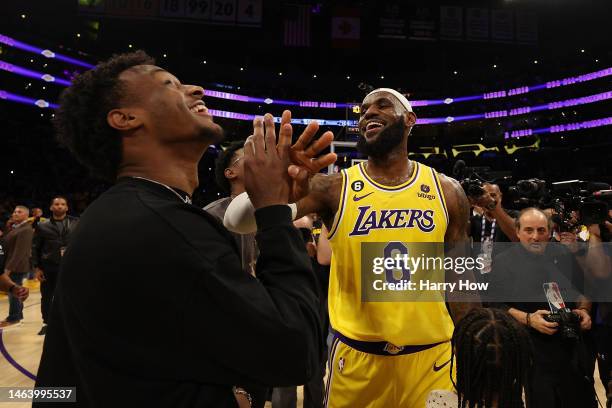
(539, 322)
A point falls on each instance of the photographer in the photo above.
(530, 280)
(494, 225)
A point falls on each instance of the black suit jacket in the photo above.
(48, 241)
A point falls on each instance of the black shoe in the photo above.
(43, 331)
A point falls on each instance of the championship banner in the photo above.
(392, 22)
(451, 23)
(423, 24)
(477, 24)
(502, 26)
(526, 27)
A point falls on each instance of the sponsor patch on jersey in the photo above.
(424, 193)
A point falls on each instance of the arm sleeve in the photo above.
(265, 330)
(23, 244)
(36, 248)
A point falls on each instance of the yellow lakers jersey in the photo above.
(385, 219)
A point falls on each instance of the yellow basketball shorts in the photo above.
(388, 379)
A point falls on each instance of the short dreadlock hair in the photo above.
(493, 353)
(223, 162)
(80, 121)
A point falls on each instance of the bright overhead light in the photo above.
(164, 55)
(582, 51)
(241, 68)
(130, 46)
(314, 75)
(494, 65)
(204, 62)
(348, 77)
(535, 61)
(280, 74)
(382, 77)
(455, 72)
(79, 35)
(23, 16)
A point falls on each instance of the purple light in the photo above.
(495, 95)
(333, 105)
(468, 98)
(469, 117)
(31, 74)
(430, 121)
(568, 127)
(422, 121)
(47, 53)
(28, 101)
(431, 102)
(496, 114)
(230, 96)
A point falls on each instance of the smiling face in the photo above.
(383, 125)
(165, 107)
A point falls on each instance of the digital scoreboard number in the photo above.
(226, 12)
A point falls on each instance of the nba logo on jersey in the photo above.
(341, 364)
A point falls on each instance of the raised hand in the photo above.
(265, 178)
(304, 154)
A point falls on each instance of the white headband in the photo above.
(398, 95)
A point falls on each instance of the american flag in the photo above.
(296, 25)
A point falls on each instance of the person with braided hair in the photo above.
(492, 358)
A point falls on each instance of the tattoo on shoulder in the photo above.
(456, 200)
(321, 183)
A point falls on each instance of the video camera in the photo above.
(574, 202)
(469, 179)
(569, 323)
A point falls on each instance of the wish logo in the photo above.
(425, 189)
(368, 220)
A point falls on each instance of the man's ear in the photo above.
(410, 119)
(229, 174)
(122, 119)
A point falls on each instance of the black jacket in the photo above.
(48, 241)
(153, 309)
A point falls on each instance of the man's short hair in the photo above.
(223, 161)
(24, 208)
(517, 220)
(81, 122)
(58, 197)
